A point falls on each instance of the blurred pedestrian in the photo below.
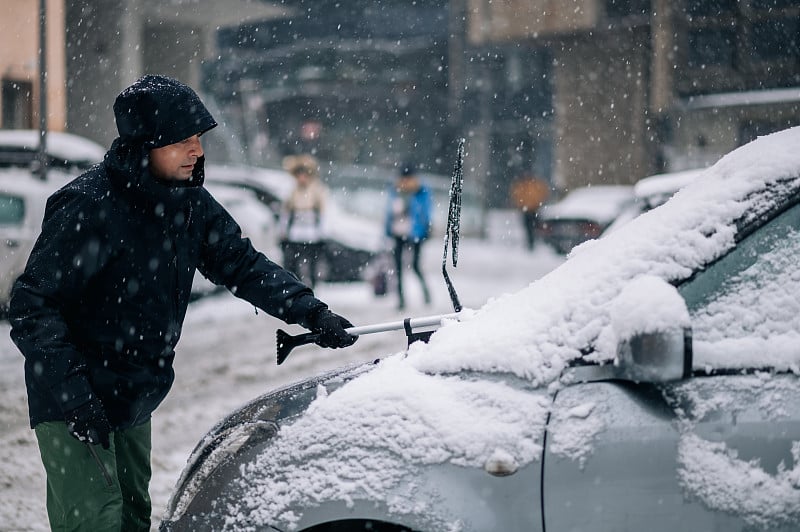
(302, 219)
(528, 194)
(408, 224)
(99, 309)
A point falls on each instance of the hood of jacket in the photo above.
(155, 111)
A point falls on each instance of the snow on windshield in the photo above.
(364, 437)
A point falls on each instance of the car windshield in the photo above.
(746, 301)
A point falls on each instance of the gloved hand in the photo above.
(88, 423)
(331, 328)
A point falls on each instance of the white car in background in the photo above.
(652, 191)
(67, 154)
(257, 221)
(583, 214)
(22, 202)
(23, 194)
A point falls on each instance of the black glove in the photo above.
(331, 328)
(88, 423)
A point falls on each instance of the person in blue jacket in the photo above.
(408, 224)
(99, 309)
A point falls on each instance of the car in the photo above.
(67, 153)
(582, 214)
(352, 241)
(22, 202)
(649, 382)
(652, 191)
(256, 219)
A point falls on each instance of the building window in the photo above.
(710, 8)
(17, 108)
(731, 45)
(624, 8)
(711, 46)
(775, 39)
(772, 4)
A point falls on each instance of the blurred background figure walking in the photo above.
(408, 224)
(528, 194)
(302, 224)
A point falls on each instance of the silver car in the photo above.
(651, 382)
(22, 203)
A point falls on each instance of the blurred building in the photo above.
(638, 86)
(96, 48)
(577, 92)
(357, 82)
(19, 65)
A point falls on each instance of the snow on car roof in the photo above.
(665, 184)
(428, 407)
(599, 202)
(60, 145)
(22, 181)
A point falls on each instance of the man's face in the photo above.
(176, 161)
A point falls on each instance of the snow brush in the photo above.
(287, 342)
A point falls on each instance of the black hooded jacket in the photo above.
(101, 303)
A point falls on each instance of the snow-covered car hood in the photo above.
(458, 400)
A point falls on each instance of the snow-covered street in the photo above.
(226, 357)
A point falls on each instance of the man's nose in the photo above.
(196, 147)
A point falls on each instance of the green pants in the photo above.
(82, 495)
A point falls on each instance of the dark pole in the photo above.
(42, 170)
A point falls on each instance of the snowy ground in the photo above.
(226, 357)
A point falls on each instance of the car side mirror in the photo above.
(653, 329)
(660, 356)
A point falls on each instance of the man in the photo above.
(99, 309)
(528, 194)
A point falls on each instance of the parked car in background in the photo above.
(583, 214)
(22, 202)
(256, 219)
(652, 191)
(650, 382)
(352, 241)
(23, 194)
(67, 154)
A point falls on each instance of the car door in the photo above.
(18, 231)
(717, 451)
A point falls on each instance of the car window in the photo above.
(12, 210)
(750, 299)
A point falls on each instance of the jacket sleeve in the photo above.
(425, 216)
(389, 218)
(229, 259)
(66, 255)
